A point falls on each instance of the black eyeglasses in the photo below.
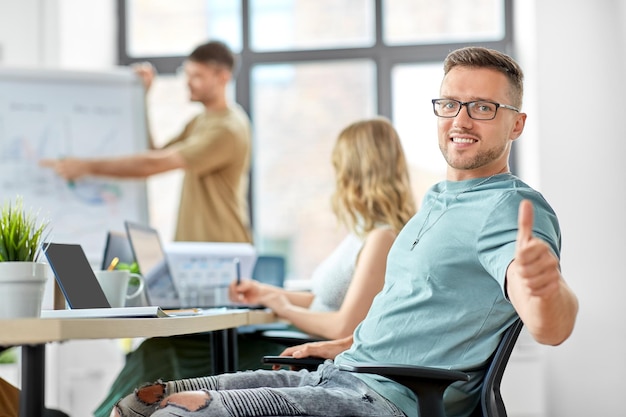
(477, 110)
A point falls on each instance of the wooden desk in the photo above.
(33, 334)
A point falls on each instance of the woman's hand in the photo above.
(247, 291)
(279, 303)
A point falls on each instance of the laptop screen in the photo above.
(150, 257)
(117, 246)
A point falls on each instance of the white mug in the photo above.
(114, 284)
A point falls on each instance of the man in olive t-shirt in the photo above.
(216, 150)
(213, 149)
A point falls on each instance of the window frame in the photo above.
(385, 58)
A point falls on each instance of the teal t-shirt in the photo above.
(444, 302)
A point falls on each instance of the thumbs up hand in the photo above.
(536, 265)
(535, 286)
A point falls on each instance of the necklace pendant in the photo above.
(415, 242)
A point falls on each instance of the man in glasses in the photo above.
(482, 251)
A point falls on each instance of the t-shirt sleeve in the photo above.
(207, 147)
(496, 246)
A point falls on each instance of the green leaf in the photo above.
(134, 268)
(20, 233)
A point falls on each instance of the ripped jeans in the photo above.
(326, 392)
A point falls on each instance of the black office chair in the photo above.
(269, 269)
(491, 403)
(288, 337)
(429, 384)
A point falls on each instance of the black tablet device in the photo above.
(75, 276)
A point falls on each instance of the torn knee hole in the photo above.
(190, 400)
(151, 394)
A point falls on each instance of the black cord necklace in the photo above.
(423, 231)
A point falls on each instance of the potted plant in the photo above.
(22, 276)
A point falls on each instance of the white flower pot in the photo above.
(22, 285)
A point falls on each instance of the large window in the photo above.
(308, 68)
(298, 109)
(287, 25)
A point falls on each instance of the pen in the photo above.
(183, 312)
(113, 263)
(238, 270)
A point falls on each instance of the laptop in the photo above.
(147, 250)
(80, 286)
(116, 246)
(164, 288)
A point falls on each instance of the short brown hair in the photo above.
(214, 52)
(479, 57)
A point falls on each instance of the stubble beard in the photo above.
(483, 158)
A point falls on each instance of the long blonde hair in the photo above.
(372, 178)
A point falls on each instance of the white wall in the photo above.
(573, 149)
(579, 53)
(21, 32)
(73, 34)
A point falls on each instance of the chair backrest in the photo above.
(269, 269)
(491, 403)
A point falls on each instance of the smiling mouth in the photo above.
(462, 140)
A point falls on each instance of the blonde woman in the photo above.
(373, 199)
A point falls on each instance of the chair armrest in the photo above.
(310, 363)
(391, 370)
(428, 384)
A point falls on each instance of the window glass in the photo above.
(297, 111)
(174, 28)
(413, 88)
(280, 25)
(425, 21)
